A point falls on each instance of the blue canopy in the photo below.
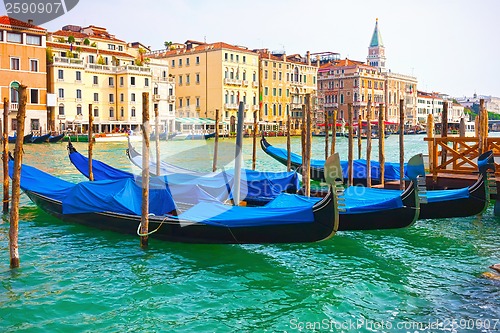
(124, 196)
(359, 166)
(254, 184)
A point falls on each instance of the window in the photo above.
(187, 61)
(95, 80)
(111, 47)
(111, 81)
(14, 37)
(266, 91)
(197, 78)
(155, 91)
(188, 101)
(61, 109)
(34, 65)
(279, 92)
(96, 112)
(14, 94)
(96, 97)
(33, 40)
(254, 77)
(120, 48)
(111, 98)
(60, 74)
(274, 75)
(197, 102)
(244, 59)
(1, 35)
(197, 60)
(132, 97)
(279, 110)
(232, 57)
(274, 109)
(79, 110)
(132, 112)
(111, 113)
(180, 102)
(121, 97)
(180, 62)
(274, 91)
(265, 74)
(78, 76)
(132, 81)
(121, 81)
(180, 80)
(265, 109)
(225, 56)
(61, 93)
(122, 112)
(91, 59)
(78, 94)
(34, 96)
(14, 64)
(146, 82)
(173, 63)
(187, 79)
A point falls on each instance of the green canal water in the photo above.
(77, 279)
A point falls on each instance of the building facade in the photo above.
(90, 70)
(23, 61)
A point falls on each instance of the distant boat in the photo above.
(41, 138)
(27, 138)
(56, 138)
(188, 136)
(364, 136)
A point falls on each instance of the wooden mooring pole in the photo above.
(216, 141)
(91, 141)
(157, 139)
(360, 127)
(306, 176)
(401, 144)
(288, 144)
(369, 146)
(381, 144)
(16, 179)
(254, 139)
(444, 130)
(334, 131)
(430, 145)
(350, 147)
(327, 133)
(145, 171)
(5, 155)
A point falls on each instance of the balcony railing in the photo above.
(255, 108)
(331, 105)
(171, 98)
(67, 61)
(231, 106)
(255, 84)
(245, 83)
(14, 107)
(358, 103)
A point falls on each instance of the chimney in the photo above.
(284, 56)
(30, 21)
(308, 56)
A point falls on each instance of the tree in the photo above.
(50, 55)
(86, 41)
(168, 44)
(71, 39)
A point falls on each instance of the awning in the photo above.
(195, 121)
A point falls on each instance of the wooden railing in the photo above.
(458, 155)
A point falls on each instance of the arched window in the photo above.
(132, 112)
(96, 112)
(14, 94)
(226, 73)
(111, 112)
(61, 109)
(122, 112)
(244, 75)
(296, 74)
(79, 110)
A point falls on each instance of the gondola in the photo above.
(56, 138)
(116, 205)
(392, 170)
(26, 139)
(257, 188)
(40, 138)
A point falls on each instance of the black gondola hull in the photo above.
(322, 228)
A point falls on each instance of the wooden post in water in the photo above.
(350, 147)
(334, 131)
(238, 155)
(5, 144)
(303, 137)
(157, 140)
(288, 144)
(483, 127)
(16, 179)
(306, 177)
(216, 140)
(327, 131)
(360, 127)
(145, 171)
(254, 133)
(444, 129)
(381, 144)
(401, 144)
(430, 145)
(369, 145)
(91, 141)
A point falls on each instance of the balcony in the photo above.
(171, 99)
(255, 84)
(255, 108)
(229, 81)
(331, 105)
(296, 106)
(67, 61)
(156, 97)
(245, 83)
(14, 107)
(358, 103)
(231, 106)
(133, 69)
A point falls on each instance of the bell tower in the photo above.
(376, 50)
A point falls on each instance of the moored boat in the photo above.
(56, 138)
(40, 138)
(27, 138)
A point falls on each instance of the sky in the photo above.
(451, 47)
